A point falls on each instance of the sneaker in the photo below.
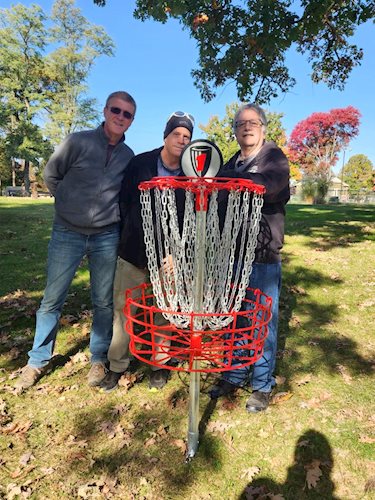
(222, 388)
(258, 401)
(29, 377)
(110, 381)
(158, 378)
(96, 374)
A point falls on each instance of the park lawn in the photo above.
(63, 439)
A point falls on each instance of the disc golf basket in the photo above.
(200, 236)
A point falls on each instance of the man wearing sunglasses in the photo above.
(131, 268)
(84, 175)
(263, 163)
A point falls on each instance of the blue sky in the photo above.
(153, 63)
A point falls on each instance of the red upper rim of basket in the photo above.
(197, 184)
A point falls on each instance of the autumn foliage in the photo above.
(316, 141)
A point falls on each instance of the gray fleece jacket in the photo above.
(84, 175)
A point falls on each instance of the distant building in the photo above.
(338, 190)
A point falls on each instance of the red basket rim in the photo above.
(197, 184)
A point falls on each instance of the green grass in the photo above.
(127, 444)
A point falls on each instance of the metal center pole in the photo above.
(200, 251)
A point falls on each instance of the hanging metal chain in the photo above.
(229, 253)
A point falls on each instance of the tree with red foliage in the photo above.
(316, 141)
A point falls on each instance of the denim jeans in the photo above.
(266, 277)
(65, 252)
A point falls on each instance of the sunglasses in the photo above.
(117, 111)
(181, 114)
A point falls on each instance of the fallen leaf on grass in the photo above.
(13, 490)
(316, 402)
(366, 303)
(26, 457)
(250, 473)
(180, 443)
(17, 428)
(68, 319)
(80, 357)
(21, 472)
(127, 380)
(344, 373)
(72, 441)
(108, 428)
(120, 409)
(253, 492)
(280, 397)
(366, 439)
(313, 474)
(279, 380)
(219, 427)
(297, 290)
(149, 442)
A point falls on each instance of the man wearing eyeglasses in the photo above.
(84, 175)
(263, 163)
(132, 261)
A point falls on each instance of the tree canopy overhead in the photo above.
(247, 41)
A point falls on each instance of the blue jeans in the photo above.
(65, 252)
(266, 277)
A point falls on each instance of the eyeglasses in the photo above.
(117, 111)
(252, 124)
(180, 114)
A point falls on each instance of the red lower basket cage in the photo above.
(157, 342)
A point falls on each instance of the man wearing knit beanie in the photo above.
(131, 268)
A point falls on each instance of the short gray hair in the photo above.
(256, 108)
(121, 94)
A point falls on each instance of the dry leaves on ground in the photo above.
(128, 380)
(316, 402)
(17, 428)
(250, 473)
(344, 373)
(313, 473)
(280, 397)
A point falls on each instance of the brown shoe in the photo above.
(96, 374)
(29, 377)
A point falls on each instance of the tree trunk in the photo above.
(26, 176)
(13, 172)
(33, 182)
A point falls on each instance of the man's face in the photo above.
(175, 142)
(115, 121)
(249, 130)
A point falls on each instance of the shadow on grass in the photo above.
(153, 449)
(305, 323)
(312, 453)
(329, 226)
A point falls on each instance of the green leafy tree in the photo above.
(247, 42)
(359, 173)
(22, 36)
(79, 43)
(220, 131)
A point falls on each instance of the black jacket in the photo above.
(140, 168)
(269, 168)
